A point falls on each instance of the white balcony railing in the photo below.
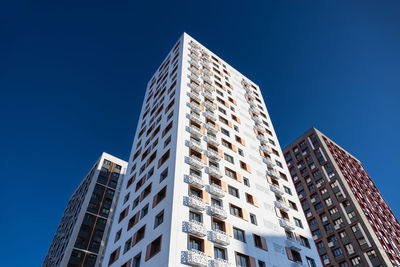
(196, 203)
(211, 127)
(266, 149)
(209, 96)
(209, 105)
(222, 263)
(269, 162)
(219, 212)
(220, 237)
(262, 139)
(196, 118)
(196, 131)
(197, 258)
(214, 171)
(196, 162)
(195, 71)
(196, 181)
(276, 189)
(286, 224)
(195, 78)
(212, 140)
(293, 244)
(208, 88)
(273, 174)
(281, 205)
(195, 96)
(197, 228)
(217, 190)
(195, 145)
(195, 106)
(213, 154)
(211, 116)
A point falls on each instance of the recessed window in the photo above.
(246, 181)
(219, 253)
(153, 248)
(298, 223)
(236, 211)
(239, 234)
(233, 191)
(253, 219)
(229, 158)
(159, 219)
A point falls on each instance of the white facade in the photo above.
(204, 82)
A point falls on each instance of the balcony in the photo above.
(222, 263)
(195, 96)
(197, 258)
(260, 129)
(194, 57)
(206, 65)
(194, 51)
(209, 96)
(195, 78)
(286, 224)
(211, 116)
(207, 72)
(331, 244)
(195, 64)
(196, 131)
(281, 205)
(326, 261)
(195, 145)
(208, 88)
(211, 127)
(196, 118)
(196, 203)
(207, 78)
(254, 110)
(195, 87)
(276, 189)
(196, 162)
(273, 174)
(338, 226)
(197, 228)
(218, 212)
(220, 237)
(262, 139)
(213, 154)
(212, 140)
(266, 149)
(196, 107)
(249, 96)
(217, 190)
(214, 171)
(256, 119)
(195, 71)
(293, 244)
(269, 162)
(196, 181)
(209, 106)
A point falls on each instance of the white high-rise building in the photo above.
(207, 183)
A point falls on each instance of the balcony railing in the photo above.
(195, 145)
(215, 171)
(220, 237)
(222, 263)
(196, 131)
(195, 87)
(256, 119)
(276, 189)
(209, 96)
(196, 118)
(217, 190)
(209, 106)
(208, 88)
(207, 78)
(211, 116)
(260, 129)
(195, 96)
(196, 203)
(211, 127)
(213, 154)
(195, 71)
(262, 139)
(269, 162)
(273, 174)
(197, 228)
(195, 106)
(266, 149)
(196, 162)
(286, 224)
(281, 205)
(218, 212)
(250, 96)
(196, 181)
(195, 64)
(293, 244)
(212, 140)
(197, 258)
(195, 78)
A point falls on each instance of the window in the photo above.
(356, 260)
(229, 158)
(167, 141)
(163, 159)
(240, 152)
(163, 175)
(193, 216)
(136, 260)
(153, 248)
(246, 181)
(140, 234)
(195, 243)
(287, 190)
(160, 196)
(250, 199)
(236, 211)
(118, 235)
(259, 242)
(261, 264)
(159, 219)
(298, 222)
(225, 132)
(230, 173)
(219, 253)
(242, 260)
(310, 262)
(253, 219)
(233, 191)
(144, 212)
(337, 252)
(239, 234)
(304, 241)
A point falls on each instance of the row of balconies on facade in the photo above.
(198, 258)
(198, 229)
(199, 204)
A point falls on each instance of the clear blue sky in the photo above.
(73, 75)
